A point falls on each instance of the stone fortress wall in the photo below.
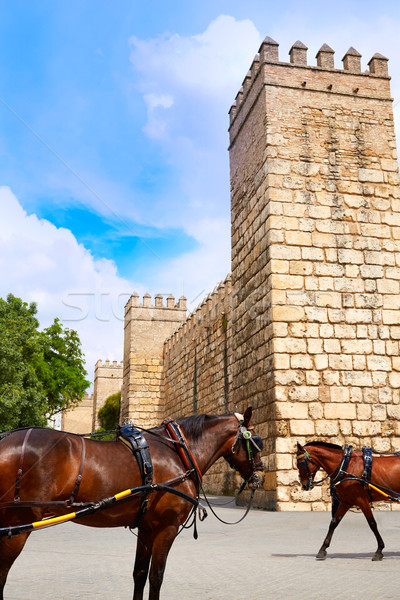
(315, 252)
(197, 374)
(107, 381)
(146, 328)
(80, 418)
(307, 327)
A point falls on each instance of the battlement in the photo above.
(107, 364)
(218, 302)
(168, 305)
(267, 69)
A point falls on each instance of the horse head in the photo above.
(244, 454)
(307, 467)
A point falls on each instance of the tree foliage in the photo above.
(109, 412)
(41, 372)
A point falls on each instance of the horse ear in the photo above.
(299, 447)
(247, 415)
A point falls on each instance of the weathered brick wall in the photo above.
(197, 370)
(316, 262)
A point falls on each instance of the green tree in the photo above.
(109, 412)
(41, 372)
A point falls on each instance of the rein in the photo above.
(253, 489)
(189, 461)
(184, 451)
(253, 444)
(93, 507)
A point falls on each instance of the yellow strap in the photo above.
(70, 516)
(381, 492)
(53, 520)
(122, 494)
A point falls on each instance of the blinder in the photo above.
(303, 462)
(252, 443)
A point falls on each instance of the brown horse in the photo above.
(52, 460)
(348, 487)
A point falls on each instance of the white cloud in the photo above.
(188, 84)
(211, 63)
(155, 126)
(195, 274)
(45, 264)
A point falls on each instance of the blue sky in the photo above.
(113, 142)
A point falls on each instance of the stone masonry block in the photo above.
(302, 427)
(394, 379)
(340, 394)
(354, 315)
(291, 410)
(298, 238)
(326, 427)
(370, 175)
(340, 410)
(366, 428)
(301, 361)
(340, 362)
(356, 346)
(290, 345)
(287, 313)
(285, 252)
(391, 317)
(316, 314)
(285, 282)
(379, 412)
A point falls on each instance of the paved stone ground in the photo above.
(267, 556)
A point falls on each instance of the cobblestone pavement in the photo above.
(267, 556)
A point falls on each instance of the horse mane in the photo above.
(325, 445)
(195, 424)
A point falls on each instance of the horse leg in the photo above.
(337, 515)
(161, 547)
(9, 551)
(142, 561)
(366, 508)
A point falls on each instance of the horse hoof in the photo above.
(377, 556)
(321, 555)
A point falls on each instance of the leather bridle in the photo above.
(303, 461)
(253, 445)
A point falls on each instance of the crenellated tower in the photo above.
(147, 326)
(315, 257)
(107, 381)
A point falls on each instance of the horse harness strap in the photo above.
(136, 442)
(365, 478)
(183, 449)
(17, 498)
(21, 465)
(367, 460)
(340, 472)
